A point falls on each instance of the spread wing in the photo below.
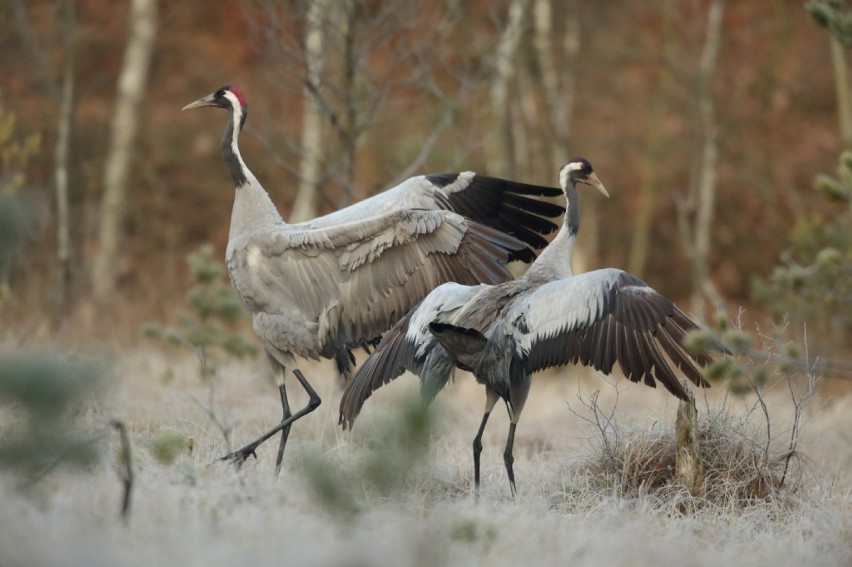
(600, 318)
(408, 346)
(353, 281)
(507, 206)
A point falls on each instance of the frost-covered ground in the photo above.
(327, 508)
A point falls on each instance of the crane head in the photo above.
(225, 97)
(580, 171)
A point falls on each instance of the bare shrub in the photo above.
(744, 464)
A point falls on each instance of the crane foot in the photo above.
(240, 456)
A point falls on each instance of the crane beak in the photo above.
(593, 181)
(209, 100)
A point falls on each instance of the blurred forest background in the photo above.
(707, 120)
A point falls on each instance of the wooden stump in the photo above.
(689, 470)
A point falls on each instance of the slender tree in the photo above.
(557, 55)
(557, 61)
(61, 154)
(60, 93)
(131, 89)
(844, 93)
(501, 155)
(701, 203)
(347, 60)
(305, 206)
(655, 144)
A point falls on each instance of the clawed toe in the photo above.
(240, 457)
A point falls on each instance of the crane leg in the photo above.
(491, 398)
(285, 406)
(509, 459)
(477, 449)
(239, 456)
(519, 389)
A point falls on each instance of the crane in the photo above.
(548, 317)
(320, 288)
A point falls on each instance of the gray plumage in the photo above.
(548, 317)
(320, 288)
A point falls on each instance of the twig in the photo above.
(211, 413)
(603, 423)
(798, 406)
(210, 408)
(841, 369)
(210, 379)
(126, 474)
(756, 388)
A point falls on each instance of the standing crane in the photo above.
(548, 317)
(320, 288)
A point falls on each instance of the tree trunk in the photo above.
(354, 104)
(559, 83)
(501, 159)
(560, 87)
(305, 206)
(131, 88)
(63, 136)
(841, 81)
(689, 469)
(708, 156)
(655, 143)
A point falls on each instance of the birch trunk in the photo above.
(63, 135)
(841, 81)
(63, 237)
(501, 159)
(703, 287)
(131, 88)
(560, 88)
(306, 203)
(559, 83)
(654, 143)
(354, 104)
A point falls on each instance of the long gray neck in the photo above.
(253, 209)
(231, 148)
(572, 209)
(554, 262)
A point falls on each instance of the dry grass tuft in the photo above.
(742, 467)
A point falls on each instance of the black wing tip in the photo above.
(521, 188)
(436, 327)
(532, 205)
(441, 180)
(344, 422)
(358, 390)
(679, 392)
(350, 406)
(506, 205)
(386, 363)
(525, 255)
(551, 191)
